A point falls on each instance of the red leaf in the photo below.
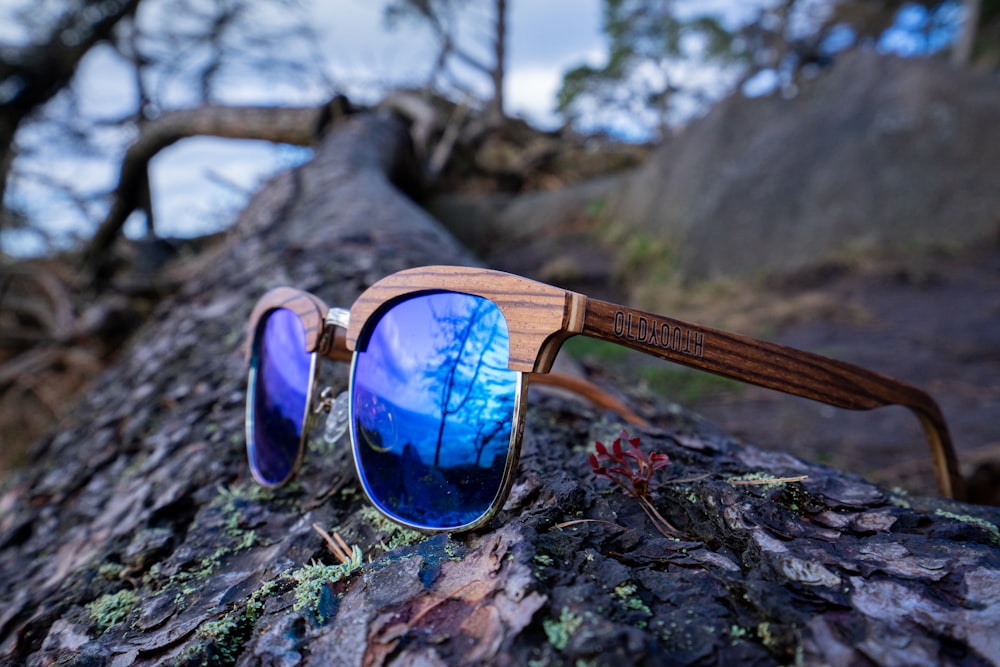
(638, 455)
(617, 446)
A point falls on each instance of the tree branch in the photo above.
(295, 126)
(41, 71)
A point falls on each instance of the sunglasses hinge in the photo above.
(335, 317)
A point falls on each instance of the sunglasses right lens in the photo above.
(432, 405)
(280, 370)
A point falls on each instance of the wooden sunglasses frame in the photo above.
(541, 317)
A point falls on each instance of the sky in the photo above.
(199, 184)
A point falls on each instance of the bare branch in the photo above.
(296, 126)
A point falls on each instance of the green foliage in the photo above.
(653, 47)
(647, 43)
(685, 385)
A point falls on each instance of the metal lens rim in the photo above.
(308, 419)
(513, 446)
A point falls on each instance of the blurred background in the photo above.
(818, 172)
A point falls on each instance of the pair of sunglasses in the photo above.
(441, 358)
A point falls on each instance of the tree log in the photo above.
(137, 537)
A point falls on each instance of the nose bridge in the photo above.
(340, 317)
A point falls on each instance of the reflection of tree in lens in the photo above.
(489, 431)
(469, 367)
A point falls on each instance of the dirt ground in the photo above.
(935, 325)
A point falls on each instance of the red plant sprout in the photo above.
(632, 469)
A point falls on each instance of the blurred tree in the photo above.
(157, 56)
(649, 44)
(668, 60)
(449, 20)
(33, 74)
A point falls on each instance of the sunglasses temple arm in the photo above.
(589, 391)
(776, 367)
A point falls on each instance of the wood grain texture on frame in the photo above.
(310, 309)
(539, 316)
(777, 367)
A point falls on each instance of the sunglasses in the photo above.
(441, 358)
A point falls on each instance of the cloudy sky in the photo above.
(199, 184)
(545, 39)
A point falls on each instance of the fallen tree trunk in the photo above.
(137, 536)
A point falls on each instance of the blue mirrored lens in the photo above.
(278, 396)
(432, 408)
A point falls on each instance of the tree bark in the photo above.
(137, 536)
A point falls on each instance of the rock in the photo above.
(879, 154)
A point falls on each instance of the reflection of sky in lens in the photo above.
(408, 347)
(285, 363)
(433, 351)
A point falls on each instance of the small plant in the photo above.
(632, 469)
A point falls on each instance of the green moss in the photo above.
(594, 207)
(559, 632)
(764, 481)
(989, 527)
(625, 594)
(600, 351)
(454, 552)
(111, 571)
(111, 609)
(149, 579)
(232, 502)
(640, 257)
(898, 497)
(223, 639)
(683, 384)
(398, 536)
(764, 632)
(311, 581)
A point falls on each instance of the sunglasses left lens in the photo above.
(277, 395)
